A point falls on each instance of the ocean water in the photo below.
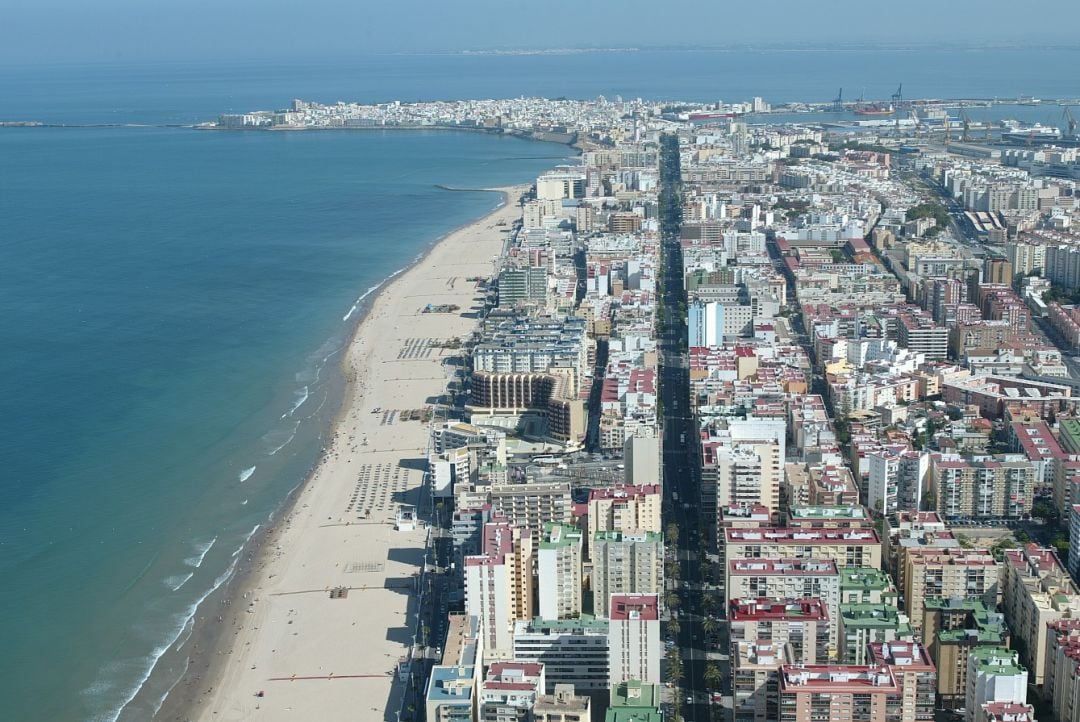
(172, 303)
(171, 306)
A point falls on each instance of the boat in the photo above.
(1033, 134)
(873, 109)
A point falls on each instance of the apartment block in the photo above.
(864, 624)
(573, 651)
(532, 505)
(952, 627)
(635, 701)
(915, 673)
(785, 579)
(634, 648)
(983, 488)
(451, 694)
(839, 693)
(559, 572)
(1061, 681)
(867, 585)
(509, 691)
(848, 547)
(563, 705)
(930, 572)
(626, 562)
(994, 675)
(800, 625)
(625, 508)
(1036, 590)
(498, 585)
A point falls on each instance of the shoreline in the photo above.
(211, 649)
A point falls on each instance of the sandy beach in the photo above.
(289, 648)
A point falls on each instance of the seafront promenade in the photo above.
(322, 624)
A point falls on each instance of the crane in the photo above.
(947, 132)
(1070, 122)
(838, 103)
(898, 96)
(915, 120)
(966, 134)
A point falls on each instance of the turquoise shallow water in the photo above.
(171, 304)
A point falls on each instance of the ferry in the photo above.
(1034, 134)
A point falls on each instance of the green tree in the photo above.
(712, 676)
(709, 625)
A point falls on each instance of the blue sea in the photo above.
(173, 303)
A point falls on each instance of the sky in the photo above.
(61, 31)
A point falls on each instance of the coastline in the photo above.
(272, 587)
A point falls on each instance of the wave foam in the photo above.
(203, 549)
(246, 474)
(158, 652)
(175, 582)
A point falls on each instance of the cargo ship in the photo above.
(873, 109)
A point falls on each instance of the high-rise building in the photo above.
(915, 673)
(634, 639)
(559, 572)
(951, 628)
(705, 324)
(785, 579)
(801, 625)
(498, 586)
(625, 508)
(864, 624)
(626, 562)
(839, 693)
(532, 505)
(994, 675)
(573, 651)
(932, 572)
(983, 488)
(1036, 590)
(897, 480)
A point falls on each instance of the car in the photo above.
(689, 699)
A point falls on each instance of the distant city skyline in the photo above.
(58, 31)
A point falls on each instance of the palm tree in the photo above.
(674, 627)
(712, 676)
(709, 625)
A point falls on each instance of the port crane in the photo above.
(1070, 122)
(898, 97)
(965, 135)
(838, 102)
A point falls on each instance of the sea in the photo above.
(173, 304)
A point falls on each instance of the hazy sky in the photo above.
(44, 31)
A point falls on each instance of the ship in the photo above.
(711, 115)
(873, 109)
(1037, 133)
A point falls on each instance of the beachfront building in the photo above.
(531, 505)
(451, 694)
(573, 651)
(562, 705)
(559, 572)
(994, 675)
(509, 691)
(626, 562)
(634, 648)
(498, 586)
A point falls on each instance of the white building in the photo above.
(705, 324)
(559, 572)
(994, 675)
(634, 639)
(573, 651)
